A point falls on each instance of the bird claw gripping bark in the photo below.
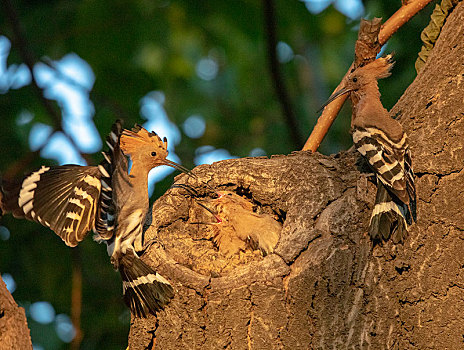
(383, 143)
(72, 200)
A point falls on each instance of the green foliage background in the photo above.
(135, 47)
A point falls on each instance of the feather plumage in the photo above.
(382, 141)
(72, 200)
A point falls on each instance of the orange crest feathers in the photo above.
(139, 138)
(380, 68)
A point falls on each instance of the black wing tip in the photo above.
(116, 131)
(137, 127)
(117, 125)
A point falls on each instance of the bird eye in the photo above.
(355, 80)
(153, 154)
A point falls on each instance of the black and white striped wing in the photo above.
(63, 198)
(385, 157)
(105, 221)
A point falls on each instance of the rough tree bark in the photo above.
(14, 333)
(326, 286)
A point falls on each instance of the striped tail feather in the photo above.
(145, 290)
(390, 217)
(395, 204)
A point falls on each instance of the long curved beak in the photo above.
(209, 210)
(184, 170)
(193, 192)
(177, 166)
(335, 95)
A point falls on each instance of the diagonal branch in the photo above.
(398, 19)
(279, 85)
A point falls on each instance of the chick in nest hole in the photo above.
(238, 226)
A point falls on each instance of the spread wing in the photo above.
(70, 199)
(63, 198)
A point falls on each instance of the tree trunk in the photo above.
(14, 333)
(326, 285)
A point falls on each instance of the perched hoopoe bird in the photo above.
(108, 199)
(383, 143)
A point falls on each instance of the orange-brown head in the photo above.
(371, 72)
(364, 77)
(146, 148)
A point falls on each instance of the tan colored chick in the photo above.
(238, 225)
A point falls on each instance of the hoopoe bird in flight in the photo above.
(72, 200)
(383, 143)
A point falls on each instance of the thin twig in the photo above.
(398, 19)
(279, 85)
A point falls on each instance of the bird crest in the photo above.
(132, 141)
(364, 76)
(378, 69)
